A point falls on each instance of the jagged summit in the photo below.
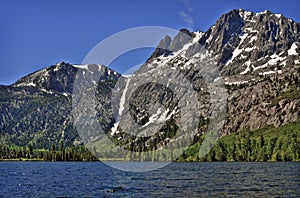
(59, 78)
(246, 15)
(244, 42)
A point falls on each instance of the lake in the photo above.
(203, 179)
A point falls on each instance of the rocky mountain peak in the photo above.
(184, 36)
(55, 78)
(244, 41)
(59, 78)
(162, 48)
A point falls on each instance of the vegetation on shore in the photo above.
(29, 153)
(265, 144)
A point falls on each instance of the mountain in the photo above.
(37, 108)
(257, 55)
(246, 66)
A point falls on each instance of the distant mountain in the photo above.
(257, 55)
(37, 108)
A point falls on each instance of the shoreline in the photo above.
(111, 160)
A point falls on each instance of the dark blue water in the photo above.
(95, 179)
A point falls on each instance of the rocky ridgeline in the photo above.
(256, 55)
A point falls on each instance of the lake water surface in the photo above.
(95, 179)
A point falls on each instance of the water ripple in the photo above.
(73, 179)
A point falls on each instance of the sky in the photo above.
(35, 34)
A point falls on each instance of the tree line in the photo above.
(266, 144)
(54, 153)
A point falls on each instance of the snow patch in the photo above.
(269, 72)
(31, 84)
(44, 90)
(275, 59)
(56, 68)
(246, 70)
(158, 116)
(292, 50)
(237, 50)
(198, 36)
(86, 66)
(248, 64)
(249, 49)
(172, 113)
(264, 12)
(245, 14)
(81, 66)
(218, 78)
(237, 82)
(253, 38)
(121, 107)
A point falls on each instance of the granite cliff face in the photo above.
(254, 56)
(257, 55)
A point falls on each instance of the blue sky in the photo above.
(35, 34)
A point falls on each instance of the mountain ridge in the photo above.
(257, 55)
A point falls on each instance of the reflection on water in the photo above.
(44, 179)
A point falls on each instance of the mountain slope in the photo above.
(254, 56)
(257, 55)
(37, 108)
